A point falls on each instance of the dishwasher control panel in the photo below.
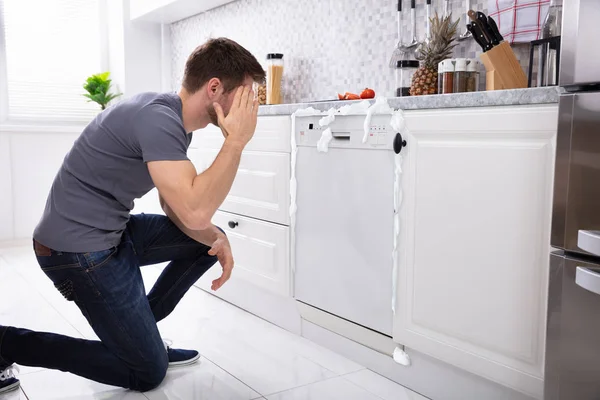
(347, 131)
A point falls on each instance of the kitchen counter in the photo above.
(546, 95)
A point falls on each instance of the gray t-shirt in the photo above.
(92, 195)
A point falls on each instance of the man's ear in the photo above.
(214, 87)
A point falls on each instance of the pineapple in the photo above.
(439, 48)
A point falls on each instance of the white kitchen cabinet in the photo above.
(258, 206)
(261, 188)
(475, 239)
(272, 135)
(260, 249)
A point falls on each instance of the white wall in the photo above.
(28, 163)
(136, 65)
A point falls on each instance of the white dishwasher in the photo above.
(345, 220)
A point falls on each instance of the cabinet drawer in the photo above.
(272, 134)
(260, 250)
(261, 188)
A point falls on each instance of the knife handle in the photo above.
(495, 30)
(399, 5)
(479, 36)
(413, 4)
(428, 2)
(473, 15)
(487, 30)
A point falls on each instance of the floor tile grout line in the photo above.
(234, 377)
(24, 392)
(382, 376)
(301, 386)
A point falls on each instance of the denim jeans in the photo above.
(107, 287)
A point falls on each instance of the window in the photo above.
(50, 47)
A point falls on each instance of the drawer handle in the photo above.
(233, 224)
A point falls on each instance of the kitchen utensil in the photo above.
(428, 23)
(481, 17)
(481, 29)
(495, 30)
(413, 22)
(466, 34)
(400, 50)
(503, 70)
(446, 8)
(479, 37)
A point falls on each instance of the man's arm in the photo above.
(207, 236)
(212, 237)
(193, 198)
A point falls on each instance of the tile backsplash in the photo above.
(329, 46)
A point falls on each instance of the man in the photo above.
(91, 247)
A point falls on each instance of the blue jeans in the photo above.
(107, 287)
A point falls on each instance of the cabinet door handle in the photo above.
(588, 279)
(399, 143)
(589, 241)
(233, 224)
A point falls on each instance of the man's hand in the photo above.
(222, 250)
(239, 125)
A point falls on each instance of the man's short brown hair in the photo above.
(224, 59)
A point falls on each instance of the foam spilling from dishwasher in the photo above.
(323, 143)
(329, 118)
(398, 124)
(293, 182)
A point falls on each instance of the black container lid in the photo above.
(407, 64)
(274, 56)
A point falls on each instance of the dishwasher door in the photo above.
(344, 233)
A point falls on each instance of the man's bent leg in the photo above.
(157, 239)
(108, 288)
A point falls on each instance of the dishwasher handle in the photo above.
(399, 143)
(341, 135)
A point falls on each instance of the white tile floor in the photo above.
(244, 357)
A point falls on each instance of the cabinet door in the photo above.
(475, 239)
(260, 250)
(262, 185)
(272, 134)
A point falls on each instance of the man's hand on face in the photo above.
(222, 249)
(239, 125)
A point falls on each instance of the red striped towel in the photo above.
(519, 21)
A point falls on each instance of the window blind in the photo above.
(51, 47)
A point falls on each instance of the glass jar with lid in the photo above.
(405, 70)
(274, 76)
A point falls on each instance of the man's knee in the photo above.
(151, 376)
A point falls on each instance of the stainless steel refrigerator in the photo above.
(573, 335)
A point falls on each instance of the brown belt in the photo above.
(41, 250)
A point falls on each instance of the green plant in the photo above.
(97, 87)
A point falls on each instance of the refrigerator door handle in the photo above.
(589, 241)
(588, 279)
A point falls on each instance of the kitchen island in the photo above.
(474, 237)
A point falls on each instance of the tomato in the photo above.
(352, 96)
(367, 94)
(341, 96)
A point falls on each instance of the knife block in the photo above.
(503, 70)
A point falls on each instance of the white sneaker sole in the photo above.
(10, 388)
(185, 363)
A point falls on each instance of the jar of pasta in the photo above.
(274, 75)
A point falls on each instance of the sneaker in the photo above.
(8, 381)
(180, 357)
